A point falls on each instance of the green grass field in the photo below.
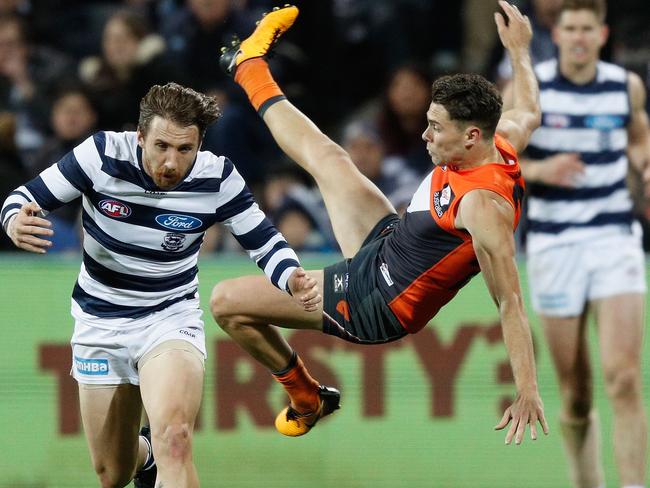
(419, 413)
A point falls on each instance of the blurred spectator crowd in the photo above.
(361, 69)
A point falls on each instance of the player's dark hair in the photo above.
(598, 7)
(181, 105)
(469, 99)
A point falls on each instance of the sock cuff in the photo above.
(149, 462)
(293, 361)
(255, 78)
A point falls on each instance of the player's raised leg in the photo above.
(244, 307)
(355, 205)
(111, 419)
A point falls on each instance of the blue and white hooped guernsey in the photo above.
(590, 120)
(141, 243)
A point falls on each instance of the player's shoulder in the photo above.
(610, 72)
(546, 70)
(121, 146)
(210, 165)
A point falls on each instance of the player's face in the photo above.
(579, 36)
(168, 151)
(443, 136)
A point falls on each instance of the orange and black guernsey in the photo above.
(426, 260)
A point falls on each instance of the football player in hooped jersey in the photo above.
(397, 272)
(148, 197)
(583, 247)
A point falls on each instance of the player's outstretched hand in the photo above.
(526, 410)
(305, 290)
(26, 225)
(516, 33)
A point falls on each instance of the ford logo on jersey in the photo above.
(178, 222)
(115, 209)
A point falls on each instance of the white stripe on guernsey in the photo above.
(420, 200)
(231, 186)
(121, 323)
(131, 298)
(208, 165)
(570, 103)
(546, 70)
(284, 277)
(602, 174)
(88, 158)
(121, 263)
(280, 255)
(23, 189)
(536, 242)
(577, 140)
(245, 221)
(60, 187)
(579, 211)
(121, 146)
(609, 71)
(9, 214)
(257, 254)
(19, 199)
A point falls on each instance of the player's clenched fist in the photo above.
(26, 226)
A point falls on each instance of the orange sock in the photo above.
(299, 385)
(254, 77)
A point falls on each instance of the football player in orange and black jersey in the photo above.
(398, 272)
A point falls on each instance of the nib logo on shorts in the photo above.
(91, 366)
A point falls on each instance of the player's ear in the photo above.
(604, 34)
(472, 136)
(140, 135)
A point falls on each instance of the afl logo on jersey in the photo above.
(559, 121)
(114, 209)
(178, 222)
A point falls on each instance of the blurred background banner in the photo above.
(416, 413)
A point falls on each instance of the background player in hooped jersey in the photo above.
(584, 251)
(397, 273)
(148, 197)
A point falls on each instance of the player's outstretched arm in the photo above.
(524, 116)
(25, 227)
(489, 220)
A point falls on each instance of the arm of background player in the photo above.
(638, 148)
(562, 169)
(489, 219)
(524, 116)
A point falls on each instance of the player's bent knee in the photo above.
(221, 301)
(623, 383)
(174, 443)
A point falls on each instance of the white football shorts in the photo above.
(564, 278)
(103, 356)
